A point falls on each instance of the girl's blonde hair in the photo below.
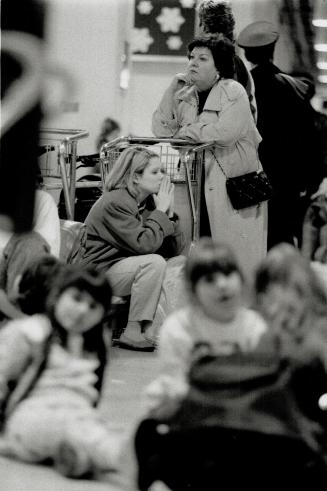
(133, 160)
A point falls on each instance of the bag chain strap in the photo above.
(222, 170)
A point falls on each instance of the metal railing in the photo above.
(66, 141)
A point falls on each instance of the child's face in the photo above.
(284, 308)
(77, 311)
(220, 295)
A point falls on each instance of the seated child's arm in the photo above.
(164, 396)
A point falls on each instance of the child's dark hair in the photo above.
(97, 285)
(222, 50)
(209, 257)
(36, 282)
(84, 278)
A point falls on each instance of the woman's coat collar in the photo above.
(230, 88)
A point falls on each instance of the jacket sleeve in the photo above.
(132, 234)
(173, 244)
(231, 123)
(164, 119)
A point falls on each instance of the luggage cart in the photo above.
(181, 160)
(57, 161)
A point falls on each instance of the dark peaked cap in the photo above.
(258, 34)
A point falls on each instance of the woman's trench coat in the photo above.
(226, 120)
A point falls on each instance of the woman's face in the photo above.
(201, 68)
(149, 181)
(220, 295)
(77, 311)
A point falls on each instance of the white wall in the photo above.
(149, 81)
(87, 36)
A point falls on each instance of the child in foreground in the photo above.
(51, 371)
(271, 399)
(292, 298)
(217, 315)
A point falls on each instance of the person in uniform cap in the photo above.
(258, 34)
(286, 125)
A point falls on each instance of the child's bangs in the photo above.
(84, 279)
(225, 266)
(97, 286)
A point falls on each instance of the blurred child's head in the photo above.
(110, 130)
(214, 279)
(36, 282)
(80, 299)
(288, 292)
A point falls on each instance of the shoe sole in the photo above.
(132, 347)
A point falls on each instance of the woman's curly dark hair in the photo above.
(216, 16)
(222, 49)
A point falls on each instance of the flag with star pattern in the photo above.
(162, 27)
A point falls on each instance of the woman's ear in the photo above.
(136, 178)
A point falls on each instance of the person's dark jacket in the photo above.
(285, 122)
(243, 76)
(118, 228)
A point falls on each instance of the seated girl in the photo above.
(271, 399)
(217, 315)
(131, 231)
(51, 371)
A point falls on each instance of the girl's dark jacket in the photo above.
(117, 228)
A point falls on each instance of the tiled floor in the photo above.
(128, 373)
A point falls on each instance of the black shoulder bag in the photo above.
(248, 189)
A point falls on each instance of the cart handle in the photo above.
(73, 134)
(151, 141)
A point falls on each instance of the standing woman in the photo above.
(131, 230)
(206, 105)
(216, 17)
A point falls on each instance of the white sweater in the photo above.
(181, 331)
